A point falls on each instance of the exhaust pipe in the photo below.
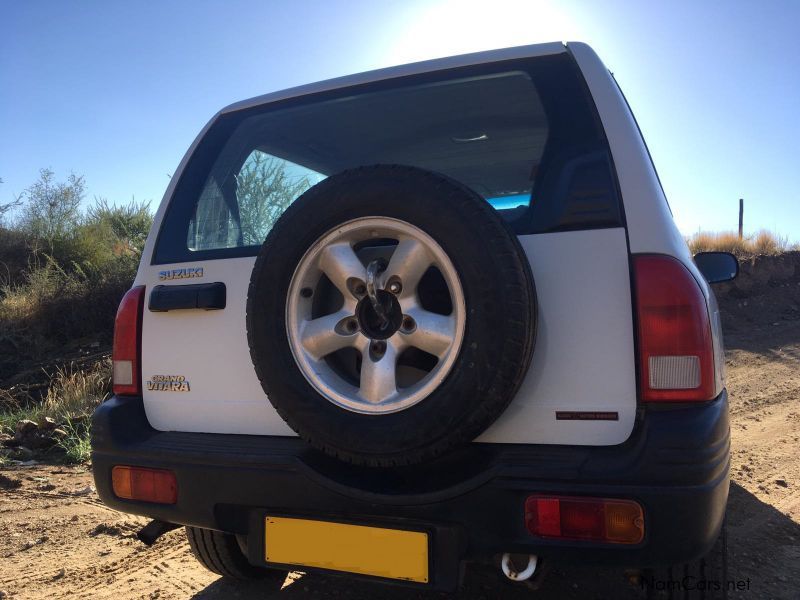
(154, 530)
(512, 572)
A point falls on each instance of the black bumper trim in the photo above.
(675, 464)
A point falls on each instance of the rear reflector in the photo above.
(676, 354)
(590, 519)
(146, 485)
(127, 351)
(674, 372)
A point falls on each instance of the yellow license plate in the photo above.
(391, 553)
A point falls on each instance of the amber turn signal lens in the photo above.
(624, 522)
(146, 485)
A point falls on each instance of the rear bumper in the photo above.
(675, 465)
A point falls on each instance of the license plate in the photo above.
(390, 553)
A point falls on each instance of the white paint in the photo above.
(584, 354)
(583, 358)
(210, 349)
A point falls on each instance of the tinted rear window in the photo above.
(522, 134)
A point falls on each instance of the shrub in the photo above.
(765, 242)
(54, 307)
(72, 396)
(726, 241)
(74, 393)
(65, 270)
(14, 257)
(51, 209)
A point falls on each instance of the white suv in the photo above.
(399, 322)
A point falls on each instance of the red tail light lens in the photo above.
(676, 351)
(127, 352)
(590, 519)
(147, 485)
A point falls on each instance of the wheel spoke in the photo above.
(370, 378)
(378, 377)
(340, 263)
(409, 262)
(434, 333)
(320, 337)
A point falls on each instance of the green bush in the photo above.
(68, 270)
(63, 271)
(14, 257)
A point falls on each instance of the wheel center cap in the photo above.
(372, 324)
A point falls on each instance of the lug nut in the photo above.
(395, 287)
(351, 326)
(378, 347)
(408, 325)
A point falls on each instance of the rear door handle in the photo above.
(204, 296)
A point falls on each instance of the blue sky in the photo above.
(116, 91)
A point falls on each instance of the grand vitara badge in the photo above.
(168, 383)
(185, 273)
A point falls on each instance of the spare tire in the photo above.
(391, 315)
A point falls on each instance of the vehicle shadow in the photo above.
(763, 549)
(763, 546)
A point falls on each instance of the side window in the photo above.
(238, 207)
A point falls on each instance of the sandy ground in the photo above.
(58, 541)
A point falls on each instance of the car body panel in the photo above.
(583, 359)
(584, 356)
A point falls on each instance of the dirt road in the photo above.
(58, 541)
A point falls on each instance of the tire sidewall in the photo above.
(494, 295)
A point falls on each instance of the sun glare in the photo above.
(451, 27)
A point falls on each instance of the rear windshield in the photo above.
(522, 134)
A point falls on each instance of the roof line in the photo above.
(426, 66)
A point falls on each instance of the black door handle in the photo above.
(205, 296)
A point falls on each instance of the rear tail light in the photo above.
(590, 519)
(127, 352)
(146, 485)
(676, 351)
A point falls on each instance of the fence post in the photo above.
(741, 216)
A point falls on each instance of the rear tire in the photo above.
(705, 574)
(220, 553)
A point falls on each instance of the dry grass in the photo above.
(76, 393)
(73, 395)
(762, 243)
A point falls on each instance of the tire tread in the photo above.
(220, 553)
